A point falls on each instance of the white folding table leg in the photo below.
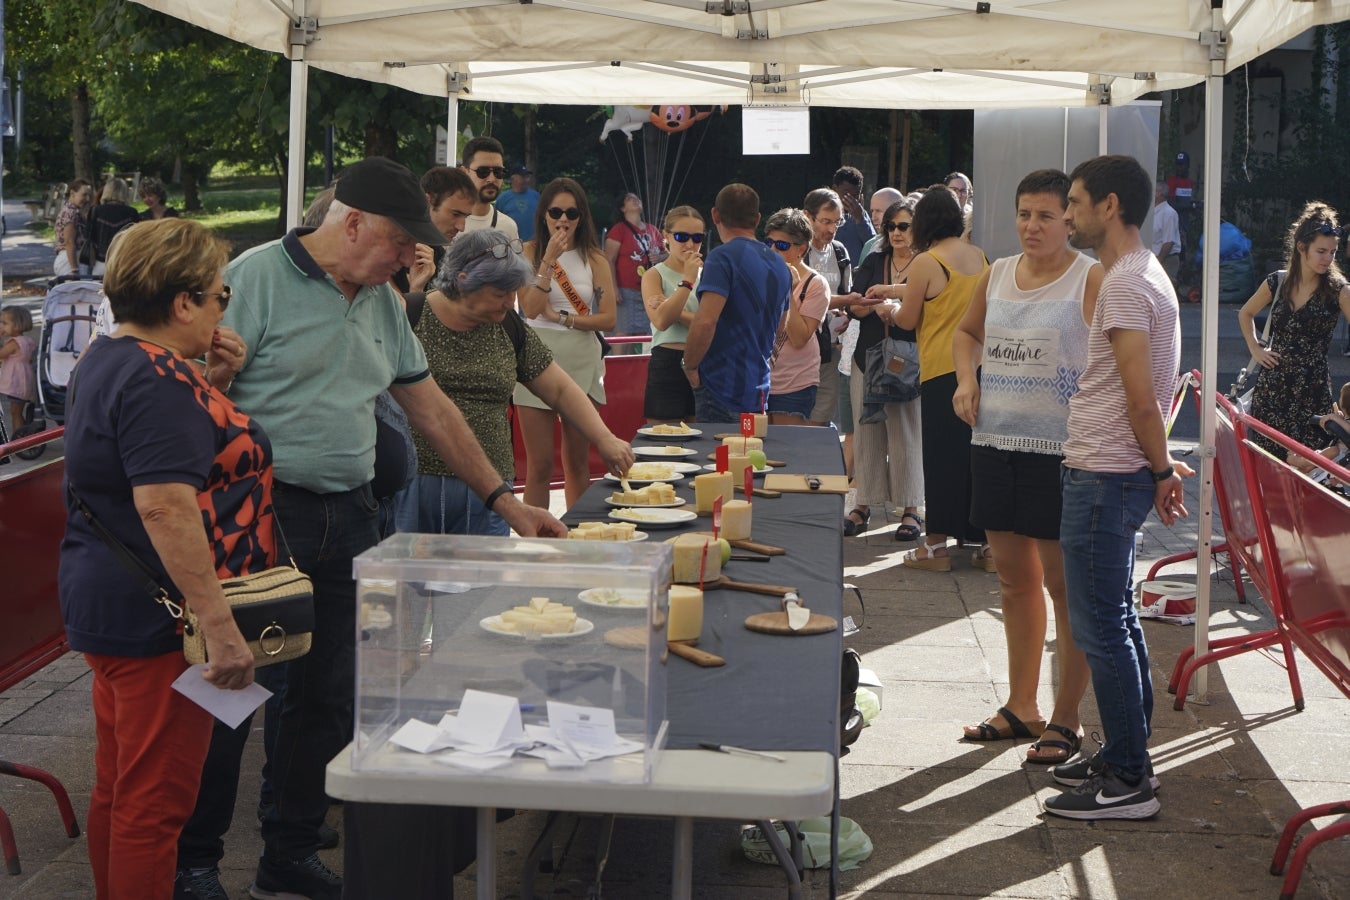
(682, 876)
(487, 853)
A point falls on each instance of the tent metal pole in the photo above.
(451, 129)
(1209, 343)
(1103, 129)
(295, 154)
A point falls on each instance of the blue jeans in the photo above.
(324, 532)
(1102, 511)
(436, 504)
(708, 408)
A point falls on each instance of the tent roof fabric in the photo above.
(911, 54)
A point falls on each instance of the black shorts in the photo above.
(669, 395)
(1017, 491)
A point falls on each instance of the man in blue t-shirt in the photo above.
(742, 294)
(519, 202)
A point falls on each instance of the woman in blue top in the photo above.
(668, 291)
(172, 467)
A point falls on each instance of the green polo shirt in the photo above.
(316, 362)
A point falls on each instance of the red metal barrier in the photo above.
(625, 388)
(1243, 544)
(32, 520)
(1303, 528)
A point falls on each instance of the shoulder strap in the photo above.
(801, 296)
(414, 303)
(494, 217)
(515, 329)
(134, 565)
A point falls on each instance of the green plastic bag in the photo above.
(854, 844)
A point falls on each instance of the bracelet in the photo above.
(503, 488)
(686, 284)
(1163, 474)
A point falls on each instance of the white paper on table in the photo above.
(485, 722)
(420, 737)
(588, 731)
(230, 707)
(475, 761)
(556, 759)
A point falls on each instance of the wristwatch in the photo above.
(1161, 476)
(565, 318)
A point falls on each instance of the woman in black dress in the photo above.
(1296, 384)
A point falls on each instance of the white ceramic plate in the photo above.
(493, 624)
(677, 502)
(677, 436)
(664, 452)
(614, 598)
(654, 518)
(712, 467)
(673, 476)
(684, 468)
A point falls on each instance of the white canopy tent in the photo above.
(898, 54)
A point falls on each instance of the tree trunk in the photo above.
(79, 133)
(381, 140)
(530, 150)
(192, 198)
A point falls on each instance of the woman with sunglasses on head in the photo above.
(1295, 384)
(668, 292)
(794, 367)
(569, 300)
(888, 454)
(478, 350)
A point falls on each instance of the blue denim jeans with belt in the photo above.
(1102, 512)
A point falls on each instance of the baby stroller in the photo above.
(69, 312)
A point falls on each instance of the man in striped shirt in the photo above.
(1116, 467)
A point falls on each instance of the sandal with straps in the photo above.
(1016, 728)
(1064, 750)
(906, 532)
(853, 528)
(922, 557)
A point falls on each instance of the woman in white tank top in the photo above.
(1026, 329)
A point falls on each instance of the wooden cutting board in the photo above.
(796, 484)
(777, 623)
(634, 637)
(753, 587)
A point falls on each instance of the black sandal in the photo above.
(1070, 747)
(985, 732)
(909, 532)
(852, 528)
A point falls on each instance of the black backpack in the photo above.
(823, 336)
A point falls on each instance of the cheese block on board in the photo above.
(709, 486)
(736, 520)
(739, 444)
(689, 556)
(686, 613)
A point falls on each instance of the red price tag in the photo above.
(747, 424)
(749, 482)
(702, 562)
(717, 514)
(722, 456)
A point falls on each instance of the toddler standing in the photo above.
(16, 362)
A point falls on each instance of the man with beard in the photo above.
(485, 162)
(1116, 466)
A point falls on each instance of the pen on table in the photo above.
(727, 748)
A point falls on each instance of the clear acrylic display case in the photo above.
(428, 631)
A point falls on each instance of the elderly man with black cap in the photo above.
(324, 335)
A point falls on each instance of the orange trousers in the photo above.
(151, 745)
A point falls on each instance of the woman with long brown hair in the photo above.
(568, 302)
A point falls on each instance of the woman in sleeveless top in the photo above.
(1026, 333)
(941, 282)
(1295, 384)
(570, 300)
(669, 293)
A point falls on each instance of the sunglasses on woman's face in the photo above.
(780, 246)
(222, 296)
(557, 212)
(897, 226)
(682, 236)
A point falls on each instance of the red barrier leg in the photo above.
(1224, 648)
(7, 844)
(1308, 844)
(52, 784)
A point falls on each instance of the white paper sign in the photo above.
(775, 131)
